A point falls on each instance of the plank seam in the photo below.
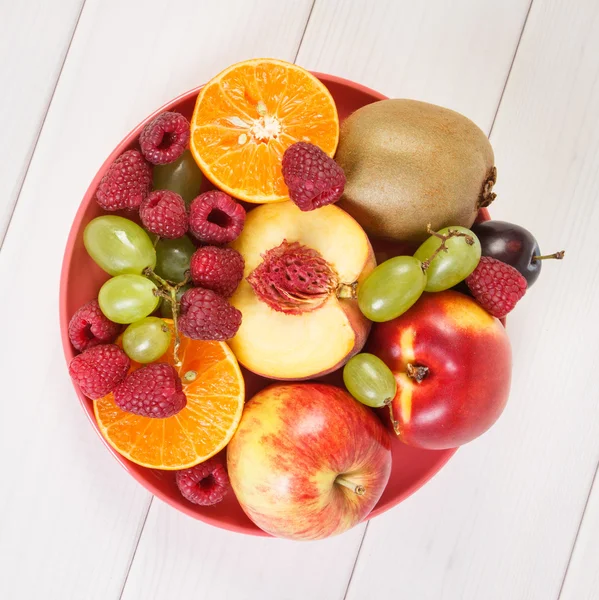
(351, 575)
(304, 31)
(507, 79)
(578, 530)
(137, 541)
(39, 131)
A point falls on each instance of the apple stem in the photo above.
(347, 290)
(557, 255)
(416, 372)
(451, 233)
(168, 290)
(357, 489)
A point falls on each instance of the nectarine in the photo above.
(452, 364)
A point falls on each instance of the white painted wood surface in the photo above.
(181, 558)
(501, 520)
(34, 38)
(436, 51)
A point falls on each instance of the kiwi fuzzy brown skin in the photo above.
(409, 164)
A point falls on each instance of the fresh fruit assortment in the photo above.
(291, 290)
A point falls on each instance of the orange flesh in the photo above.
(203, 428)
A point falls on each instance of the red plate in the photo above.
(81, 279)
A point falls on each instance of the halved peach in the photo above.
(289, 330)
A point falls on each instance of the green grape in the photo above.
(182, 176)
(147, 340)
(165, 306)
(449, 267)
(369, 380)
(172, 258)
(391, 288)
(127, 298)
(118, 245)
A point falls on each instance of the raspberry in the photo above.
(496, 286)
(89, 327)
(165, 138)
(217, 269)
(126, 184)
(314, 179)
(163, 213)
(205, 484)
(215, 218)
(99, 369)
(153, 390)
(207, 316)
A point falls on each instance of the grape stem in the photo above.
(394, 421)
(347, 290)
(451, 233)
(168, 290)
(557, 255)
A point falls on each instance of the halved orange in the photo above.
(204, 427)
(248, 115)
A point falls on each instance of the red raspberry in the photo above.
(496, 286)
(153, 390)
(127, 182)
(215, 218)
(89, 327)
(98, 370)
(207, 316)
(163, 213)
(205, 484)
(217, 269)
(314, 179)
(165, 138)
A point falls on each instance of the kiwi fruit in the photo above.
(409, 164)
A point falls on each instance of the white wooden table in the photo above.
(514, 515)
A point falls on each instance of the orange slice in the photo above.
(204, 427)
(248, 115)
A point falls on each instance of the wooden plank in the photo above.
(178, 556)
(34, 38)
(499, 522)
(68, 511)
(456, 54)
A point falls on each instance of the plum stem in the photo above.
(451, 233)
(557, 255)
(168, 290)
(357, 489)
(416, 372)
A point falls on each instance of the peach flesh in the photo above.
(310, 344)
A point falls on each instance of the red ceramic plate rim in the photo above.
(69, 352)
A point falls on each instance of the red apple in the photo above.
(308, 461)
(452, 363)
